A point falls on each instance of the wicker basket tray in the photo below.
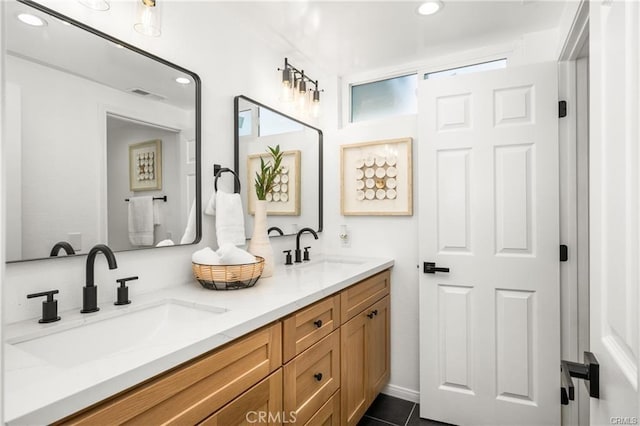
(228, 277)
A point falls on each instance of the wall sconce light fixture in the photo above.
(294, 88)
(147, 18)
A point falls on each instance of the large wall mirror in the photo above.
(296, 200)
(94, 129)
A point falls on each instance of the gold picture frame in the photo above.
(277, 205)
(145, 166)
(377, 178)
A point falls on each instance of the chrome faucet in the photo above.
(90, 291)
(64, 246)
(298, 251)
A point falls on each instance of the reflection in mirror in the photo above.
(103, 144)
(296, 200)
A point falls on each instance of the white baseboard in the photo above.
(402, 393)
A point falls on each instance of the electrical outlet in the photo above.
(345, 238)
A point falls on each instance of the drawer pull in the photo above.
(318, 323)
(318, 376)
(372, 313)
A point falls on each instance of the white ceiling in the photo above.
(353, 36)
(337, 37)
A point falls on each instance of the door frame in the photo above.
(574, 214)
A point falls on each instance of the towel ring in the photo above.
(220, 172)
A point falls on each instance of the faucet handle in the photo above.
(306, 253)
(123, 291)
(49, 306)
(287, 257)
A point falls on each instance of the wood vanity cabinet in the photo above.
(365, 344)
(320, 366)
(193, 391)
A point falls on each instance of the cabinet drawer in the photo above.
(329, 414)
(358, 297)
(308, 326)
(262, 404)
(196, 389)
(312, 377)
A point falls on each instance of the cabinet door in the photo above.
(261, 404)
(378, 346)
(353, 383)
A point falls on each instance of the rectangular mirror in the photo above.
(94, 125)
(296, 201)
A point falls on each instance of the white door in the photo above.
(614, 213)
(488, 200)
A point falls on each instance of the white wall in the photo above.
(3, 226)
(121, 134)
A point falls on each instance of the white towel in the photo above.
(229, 219)
(210, 208)
(141, 221)
(206, 256)
(232, 255)
(165, 243)
(189, 235)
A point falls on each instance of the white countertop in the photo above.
(39, 392)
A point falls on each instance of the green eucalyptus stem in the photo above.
(264, 180)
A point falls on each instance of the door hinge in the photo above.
(589, 372)
(564, 253)
(562, 109)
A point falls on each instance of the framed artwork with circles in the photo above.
(284, 198)
(377, 178)
(145, 166)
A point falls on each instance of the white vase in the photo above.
(260, 244)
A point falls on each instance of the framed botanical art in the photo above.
(284, 199)
(377, 178)
(145, 166)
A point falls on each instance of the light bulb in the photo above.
(33, 20)
(430, 7)
(148, 18)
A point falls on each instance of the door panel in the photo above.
(490, 328)
(613, 209)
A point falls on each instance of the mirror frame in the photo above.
(236, 149)
(198, 120)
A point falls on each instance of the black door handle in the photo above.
(430, 268)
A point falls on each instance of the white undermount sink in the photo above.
(330, 262)
(160, 326)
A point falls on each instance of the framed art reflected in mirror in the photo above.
(284, 198)
(145, 166)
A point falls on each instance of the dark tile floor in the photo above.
(387, 410)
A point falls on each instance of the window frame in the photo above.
(504, 51)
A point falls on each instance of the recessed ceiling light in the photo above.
(183, 80)
(430, 7)
(32, 20)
